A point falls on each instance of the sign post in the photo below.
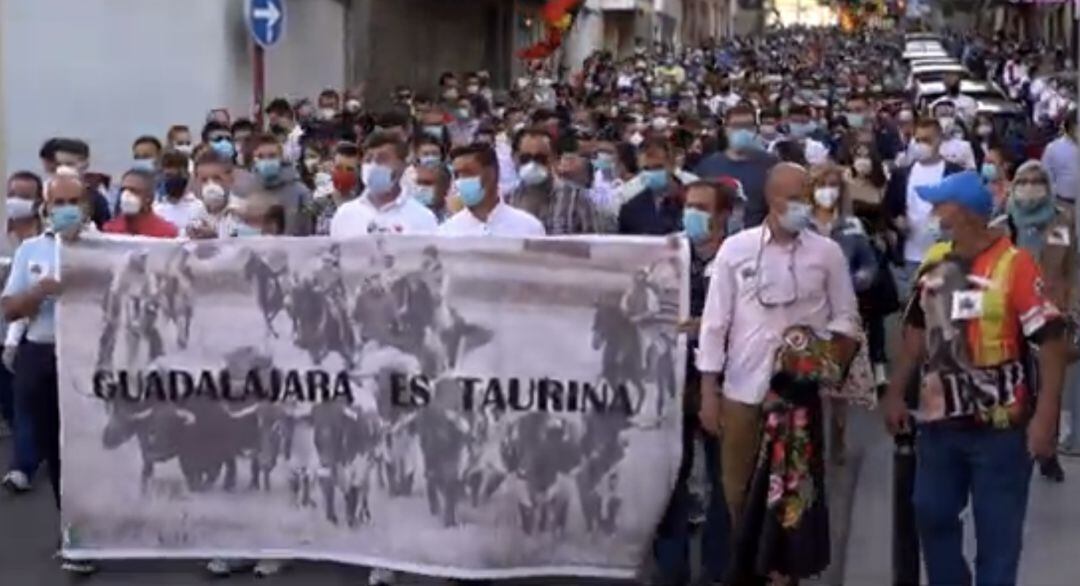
(266, 22)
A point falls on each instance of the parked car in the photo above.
(928, 73)
(927, 92)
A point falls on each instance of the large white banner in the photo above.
(474, 408)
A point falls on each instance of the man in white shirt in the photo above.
(909, 213)
(966, 107)
(800, 127)
(1062, 161)
(476, 181)
(955, 147)
(765, 280)
(179, 207)
(384, 207)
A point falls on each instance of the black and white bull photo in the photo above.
(371, 467)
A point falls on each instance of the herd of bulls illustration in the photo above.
(464, 463)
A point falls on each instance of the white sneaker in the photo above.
(267, 568)
(382, 577)
(80, 567)
(16, 481)
(222, 567)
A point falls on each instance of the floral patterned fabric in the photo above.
(785, 529)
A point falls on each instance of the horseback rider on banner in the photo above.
(131, 300)
(328, 281)
(640, 304)
(175, 286)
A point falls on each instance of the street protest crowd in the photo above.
(825, 181)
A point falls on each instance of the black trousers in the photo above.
(35, 376)
(875, 338)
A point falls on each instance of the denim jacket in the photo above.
(849, 233)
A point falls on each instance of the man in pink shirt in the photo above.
(765, 280)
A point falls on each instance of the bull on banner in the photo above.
(473, 408)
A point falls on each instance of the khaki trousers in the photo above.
(741, 436)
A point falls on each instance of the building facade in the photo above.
(108, 71)
(619, 26)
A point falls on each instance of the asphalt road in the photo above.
(29, 530)
(28, 538)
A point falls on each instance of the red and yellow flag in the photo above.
(558, 17)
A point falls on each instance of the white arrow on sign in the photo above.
(271, 15)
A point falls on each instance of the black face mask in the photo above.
(277, 129)
(954, 90)
(174, 186)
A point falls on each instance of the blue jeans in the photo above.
(671, 548)
(905, 279)
(7, 397)
(16, 410)
(994, 468)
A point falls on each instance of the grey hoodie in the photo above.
(288, 190)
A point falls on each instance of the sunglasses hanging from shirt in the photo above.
(776, 286)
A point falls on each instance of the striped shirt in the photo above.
(561, 207)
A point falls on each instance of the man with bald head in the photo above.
(766, 280)
(30, 293)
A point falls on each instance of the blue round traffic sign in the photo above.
(266, 21)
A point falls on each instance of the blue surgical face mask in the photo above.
(378, 179)
(268, 169)
(797, 216)
(434, 131)
(989, 172)
(656, 180)
(244, 230)
(696, 224)
(742, 139)
(224, 148)
(424, 194)
(936, 231)
(735, 222)
(856, 120)
(430, 161)
(471, 190)
(65, 217)
(800, 129)
(147, 165)
(604, 161)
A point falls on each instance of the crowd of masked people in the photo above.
(818, 200)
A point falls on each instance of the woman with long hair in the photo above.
(831, 218)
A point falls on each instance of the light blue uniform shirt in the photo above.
(1062, 161)
(35, 259)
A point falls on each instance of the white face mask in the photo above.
(130, 204)
(1028, 193)
(213, 195)
(920, 152)
(985, 130)
(533, 174)
(863, 165)
(826, 197)
(947, 124)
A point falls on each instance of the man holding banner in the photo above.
(31, 293)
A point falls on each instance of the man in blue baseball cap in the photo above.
(961, 202)
(976, 310)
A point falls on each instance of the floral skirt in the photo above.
(785, 525)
